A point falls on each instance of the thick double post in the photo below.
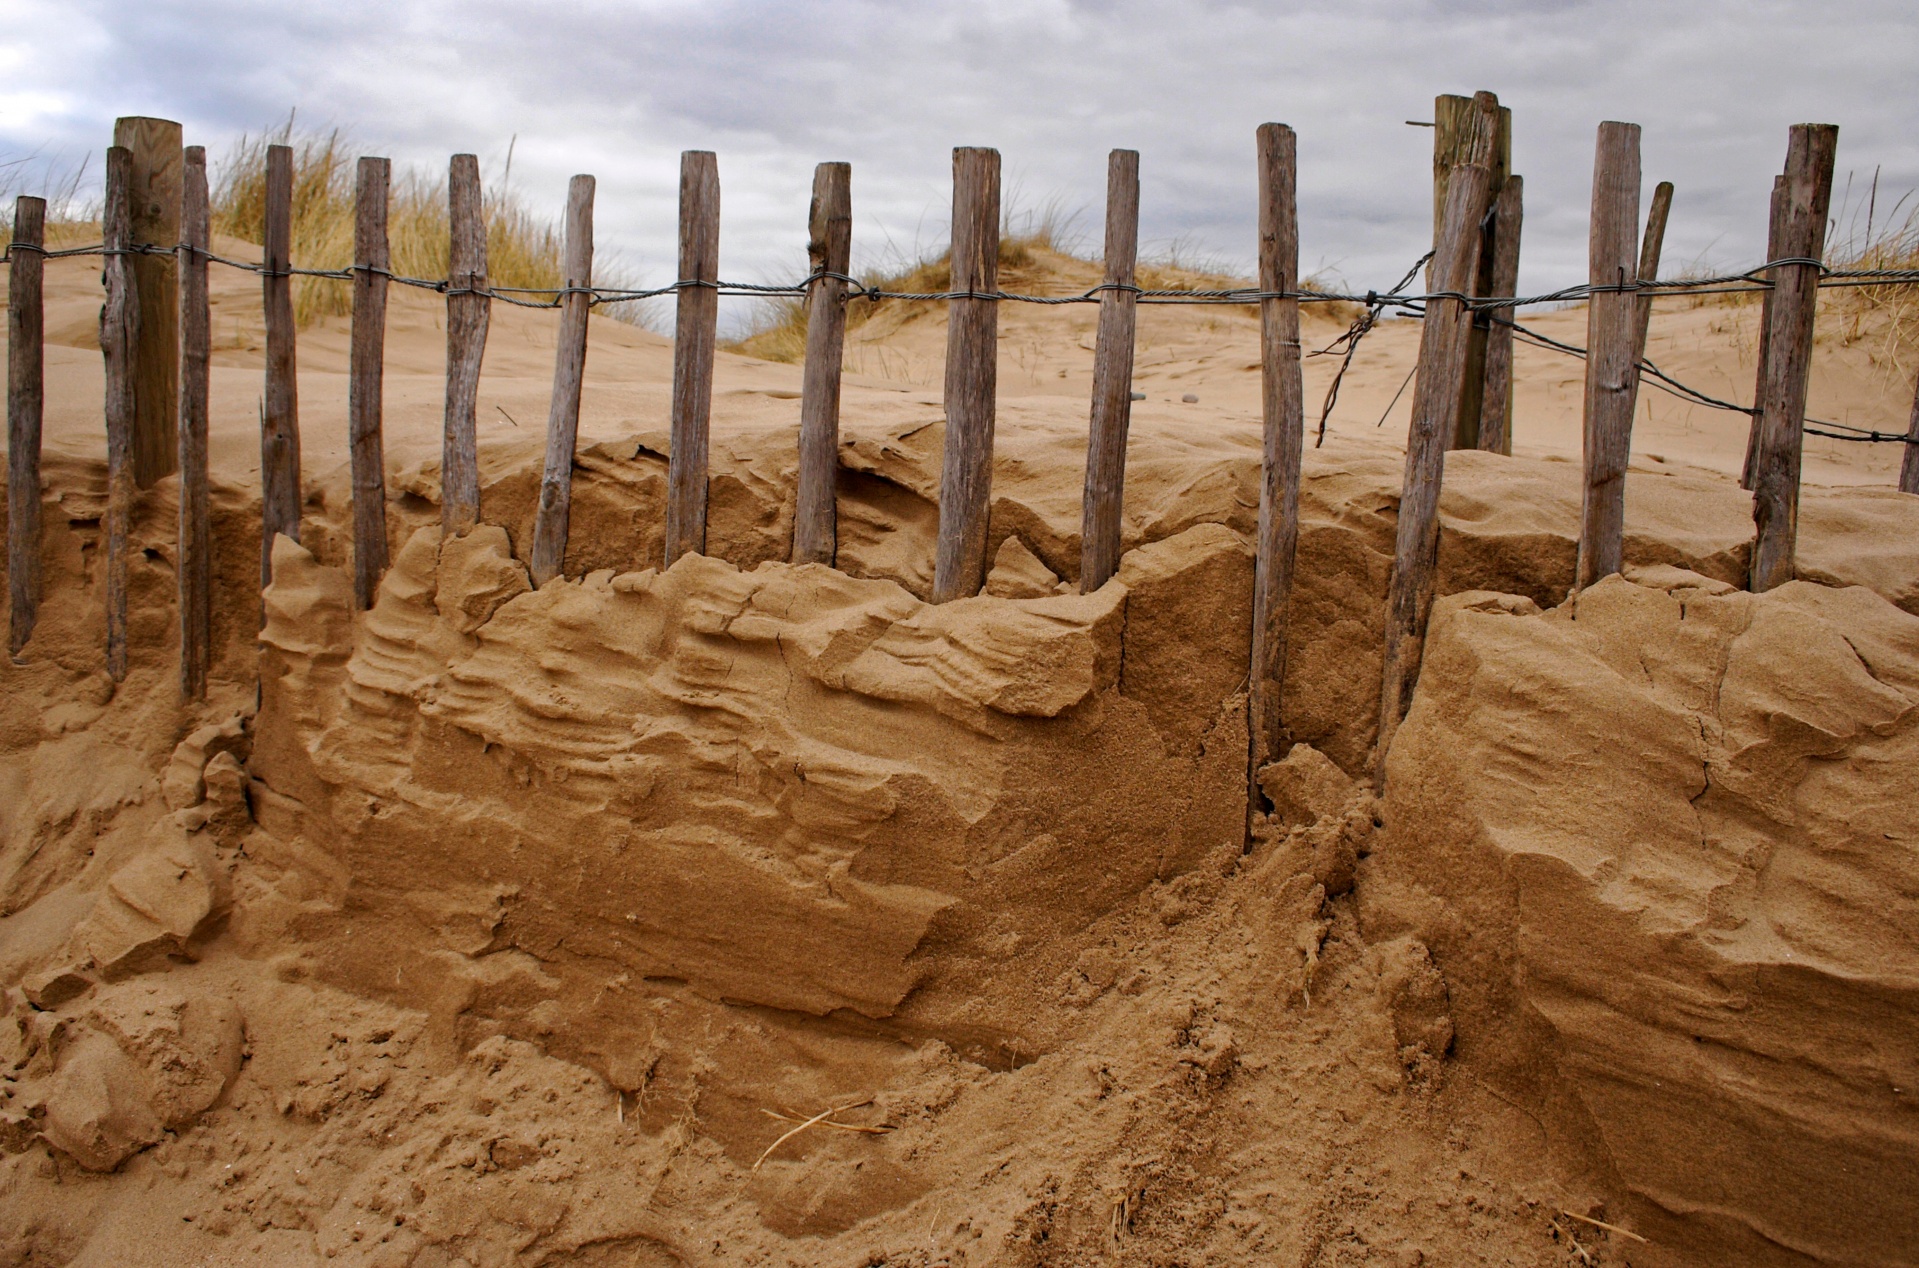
(1443, 351)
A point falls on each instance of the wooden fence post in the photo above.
(155, 208)
(1103, 502)
(26, 401)
(193, 569)
(366, 381)
(694, 331)
(1442, 368)
(119, 337)
(1496, 399)
(1460, 137)
(1775, 239)
(972, 347)
(1495, 150)
(569, 372)
(830, 248)
(1612, 369)
(1909, 469)
(1649, 250)
(1283, 411)
(280, 417)
(1782, 404)
(468, 310)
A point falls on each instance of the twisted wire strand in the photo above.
(1373, 303)
(1692, 395)
(1754, 279)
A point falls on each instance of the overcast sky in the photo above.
(618, 89)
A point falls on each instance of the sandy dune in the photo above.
(515, 926)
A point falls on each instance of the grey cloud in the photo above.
(619, 89)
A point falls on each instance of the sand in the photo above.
(512, 926)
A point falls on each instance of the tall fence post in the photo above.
(1480, 116)
(972, 348)
(1775, 240)
(829, 248)
(1782, 403)
(569, 373)
(1442, 368)
(1612, 368)
(366, 377)
(468, 310)
(194, 566)
(1104, 499)
(119, 336)
(26, 403)
(1283, 417)
(155, 209)
(280, 417)
(694, 333)
(1496, 398)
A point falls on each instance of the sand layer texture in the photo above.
(494, 926)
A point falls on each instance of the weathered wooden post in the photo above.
(1103, 502)
(280, 416)
(1775, 238)
(366, 377)
(1283, 413)
(155, 208)
(1782, 403)
(1612, 365)
(972, 347)
(1442, 368)
(1463, 129)
(468, 311)
(1909, 469)
(119, 336)
(829, 247)
(1496, 398)
(193, 569)
(694, 333)
(1649, 249)
(569, 373)
(26, 402)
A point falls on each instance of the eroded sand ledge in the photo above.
(533, 902)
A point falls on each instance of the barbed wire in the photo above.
(1693, 396)
(1751, 280)
(1373, 304)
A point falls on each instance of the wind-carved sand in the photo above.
(515, 925)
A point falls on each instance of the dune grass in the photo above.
(522, 250)
(1886, 318)
(1040, 252)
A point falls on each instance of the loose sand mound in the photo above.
(517, 926)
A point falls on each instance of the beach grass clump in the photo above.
(523, 250)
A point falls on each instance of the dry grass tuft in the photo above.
(1040, 253)
(1886, 318)
(522, 250)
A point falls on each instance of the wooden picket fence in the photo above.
(155, 342)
